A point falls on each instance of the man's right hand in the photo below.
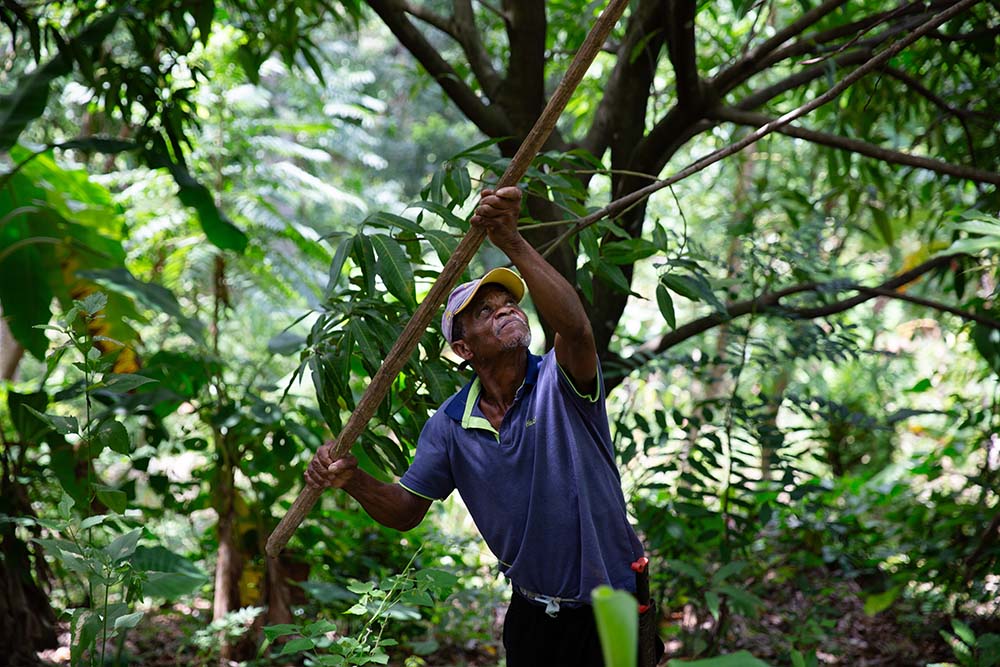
(325, 472)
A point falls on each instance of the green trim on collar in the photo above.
(470, 420)
(586, 397)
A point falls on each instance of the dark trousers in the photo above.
(532, 638)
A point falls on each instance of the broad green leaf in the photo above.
(92, 521)
(28, 425)
(114, 436)
(617, 616)
(218, 229)
(713, 602)
(444, 243)
(738, 659)
(879, 602)
(337, 265)
(59, 424)
(442, 212)
(128, 621)
(964, 632)
(115, 499)
(123, 546)
(394, 268)
(124, 382)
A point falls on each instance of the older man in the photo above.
(527, 445)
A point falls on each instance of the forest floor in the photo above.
(834, 626)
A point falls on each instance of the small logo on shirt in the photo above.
(530, 422)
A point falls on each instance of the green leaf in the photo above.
(121, 383)
(444, 244)
(286, 343)
(123, 546)
(128, 621)
(337, 265)
(151, 295)
(31, 95)
(739, 659)
(61, 425)
(666, 305)
(713, 602)
(442, 212)
(964, 632)
(394, 269)
(114, 436)
(628, 251)
(617, 616)
(66, 503)
(218, 229)
(114, 499)
(28, 425)
(298, 645)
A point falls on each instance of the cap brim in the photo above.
(500, 276)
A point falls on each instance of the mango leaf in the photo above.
(394, 268)
(444, 244)
(218, 229)
(617, 616)
(442, 212)
(337, 265)
(666, 305)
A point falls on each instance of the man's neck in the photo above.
(500, 379)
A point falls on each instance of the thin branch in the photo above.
(920, 89)
(743, 68)
(489, 119)
(445, 25)
(801, 78)
(928, 303)
(623, 203)
(888, 155)
(771, 303)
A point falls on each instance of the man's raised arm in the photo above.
(556, 300)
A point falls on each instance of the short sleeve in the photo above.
(429, 476)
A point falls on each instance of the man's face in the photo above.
(494, 322)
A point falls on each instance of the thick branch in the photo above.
(753, 119)
(624, 102)
(488, 119)
(467, 35)
(802, 77)
(771, 303)
(681, 49)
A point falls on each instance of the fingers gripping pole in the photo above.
(456, 265)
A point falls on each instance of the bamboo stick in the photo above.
(450, 274)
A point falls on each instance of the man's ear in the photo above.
(462, 349)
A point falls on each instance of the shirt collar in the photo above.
(456, 406)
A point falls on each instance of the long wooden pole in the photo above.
(450, 274)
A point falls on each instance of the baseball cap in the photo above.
(462, 295)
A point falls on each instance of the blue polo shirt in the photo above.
(544, 491)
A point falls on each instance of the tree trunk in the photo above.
(229, 562)
(11, 352)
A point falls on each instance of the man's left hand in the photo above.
(497, 213)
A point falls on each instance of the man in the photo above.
(527, 445)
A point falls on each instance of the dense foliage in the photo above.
(216, 218)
